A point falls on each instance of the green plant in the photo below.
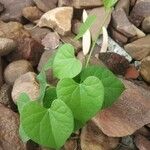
(81, 92)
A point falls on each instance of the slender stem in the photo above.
(94, 41)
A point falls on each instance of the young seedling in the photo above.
(81, 92)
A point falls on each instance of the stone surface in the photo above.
(9, 127)
(1, 7)
(123, 4)
(58, 19)
(6, 46)
(76, 26)
(144, 131)
(146, 25)
(87, 3)
(142, 143)
(92, 138)
(51, 41)
(62, 3)
(37, 33)
(140, 48)
(140, 11)
(46, 5)
(1, 72)
(145, 69)
(116, 63)
(139, 33)
(70, 145)
(32, 13)
(128, 114)
(121, 23)
(26, 83)
(15, 69)
(13, 9)
(44, 58)
(100, 14)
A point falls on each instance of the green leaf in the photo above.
(23, 135)
(112, 85)
(85, 26)
(84, 99)
(43, 84)
(65, 64)
(50, 95)
(109, 3)
(48, 127)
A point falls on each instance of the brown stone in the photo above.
(128, 114)
(58, 19)
(1, 8)
(51, 41)
(1, 72)
(32, 13)
(132, 73)
(100, 14)
(142, 143)
(122, 24)
(62, 3)
(26, 84)
(140, 11)
(15, 69)
(145, 69)
(143, 131)
(146, 24)
(13, 9)
(76, 26)
(116, 63)
(9, 127)
(92, 138)
(71, 145)
(140, 48)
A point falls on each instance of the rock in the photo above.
(118, 37)
(13, 9)
(29, 49)
(5, 95)
(128, 114)
(44, 59)
(62, 3)
(9, 127)
(142, 143)
(76, 26)
(58, 19)
(6, 46)
(51, 41)
(1, 73)
(123, 4)
(132, 2)
(92, 138)
(143, 131)
(45, 5)
(146, 25)
(1, 8)
(140, 48)
(32, 13)
(87, 3)
(71, 145)
(132, 73)
(121, 23)
(145, 69)
(15, 69)
(70, 39)
(115, 48)
(26, 84)
(100, 14)
(139, 33)
(116, 63)
(140, 11)
(37, 33)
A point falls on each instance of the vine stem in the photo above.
(94, 41)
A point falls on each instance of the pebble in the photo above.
(15, 69)
(146, 25)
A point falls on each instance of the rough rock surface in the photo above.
(92, 138)
(128, 114)
(59, 19)
(15, 69)
(26, 83)
(146, 25)
(1, 73)
(9, 127)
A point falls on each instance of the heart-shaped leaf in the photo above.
(47, 127)
(113, 87)
(65, 64)
(84, 99)
(109, 3)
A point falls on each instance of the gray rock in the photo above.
(9, 127)
(7, 46)
(146, 25)
(15, 69)
(26, 84)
